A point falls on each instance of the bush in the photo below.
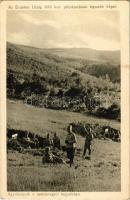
(112, 112)
(73, 91)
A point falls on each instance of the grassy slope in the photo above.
(102, 173)
(89, 176)
(27, 60)
(42, 120)
(74, 54)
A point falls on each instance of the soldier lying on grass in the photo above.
(49, 157)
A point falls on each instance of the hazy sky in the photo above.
(65, 29)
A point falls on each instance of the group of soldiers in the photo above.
(70, 141)
(51, 145)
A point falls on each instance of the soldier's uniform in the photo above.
(87, 145)
(49, 157)
(70, 146)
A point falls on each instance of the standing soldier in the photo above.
(70, 144)
(88, 140)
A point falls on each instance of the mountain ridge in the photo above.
(77, 53)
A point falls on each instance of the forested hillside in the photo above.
(26, 61)
(44, 70)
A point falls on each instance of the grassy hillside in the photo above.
(27, 173)
(42, 120)
(72, 54)
(48, 63)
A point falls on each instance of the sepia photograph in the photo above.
(63, 101)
